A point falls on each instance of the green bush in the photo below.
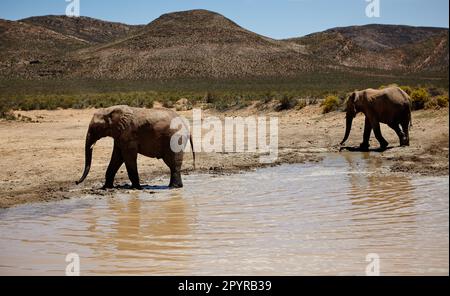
(419, 98)
(5, 110)
(407, 89)
(331, 103)
(286, 103)
(209, 98)
(437, 102)
(167, 103)
(442, 101)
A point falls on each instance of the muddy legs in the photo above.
(368, 126)
(117, 159)
(401, 135)
(379, 136)
(131, 165)
(405, 128)
(174, 162)
(114, 165)
(364, 146)
(175, 179)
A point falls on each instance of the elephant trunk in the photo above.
(90, 141)
(348, 127)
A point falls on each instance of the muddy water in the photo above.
(312, 219)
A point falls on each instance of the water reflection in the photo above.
(373, 192)
(142, 230)
(319, 219)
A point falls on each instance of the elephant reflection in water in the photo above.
(143, 233)
(375, 192)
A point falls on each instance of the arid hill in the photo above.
(24, 47)
(386, 47)
(91, 30)
(195, 43)
(204, 44)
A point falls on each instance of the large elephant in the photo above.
(391, 106)
(138, 131)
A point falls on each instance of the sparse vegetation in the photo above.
(5, 110)
(167, 103)
(437, 102)
(435, 91)
(301, 104)
(331, 103)
(442, 101)
(428, 98)
(407, 89)
(286, 103)
(295, 92)
(419, 98)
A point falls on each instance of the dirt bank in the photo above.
(41, 160)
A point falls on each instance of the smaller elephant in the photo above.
(391, 106)
(138, 131)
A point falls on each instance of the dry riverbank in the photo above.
(40, 160)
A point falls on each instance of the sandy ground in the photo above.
(40, 161)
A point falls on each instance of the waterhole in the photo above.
(308, 219)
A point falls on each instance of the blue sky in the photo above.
(273, 18)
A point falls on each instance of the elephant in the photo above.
(137, 131)
(391, 106)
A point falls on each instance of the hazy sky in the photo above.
(273, 18)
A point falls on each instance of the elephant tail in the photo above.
(410, 118)
(192, 147)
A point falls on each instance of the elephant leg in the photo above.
(399, 132)
(378, 135)
(366, 137)
(114, 165)
(405, 128)
(174, 162)
(130, 157)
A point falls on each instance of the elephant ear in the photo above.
(119, 119)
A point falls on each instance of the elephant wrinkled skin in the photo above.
(391, 106)
(136, 131)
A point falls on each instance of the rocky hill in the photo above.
(386, 47)
(204, 44)
(195, 43)
(24, 48)
(88, 29)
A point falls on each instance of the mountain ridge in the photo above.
(202, 44)
(88, 29)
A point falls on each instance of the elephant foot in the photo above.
(175, 186)
(383, 146)
(107, 186)
(404, 143)
(136, 186)
(175, 181)
(364, 147)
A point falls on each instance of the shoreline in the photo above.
(43, 158)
